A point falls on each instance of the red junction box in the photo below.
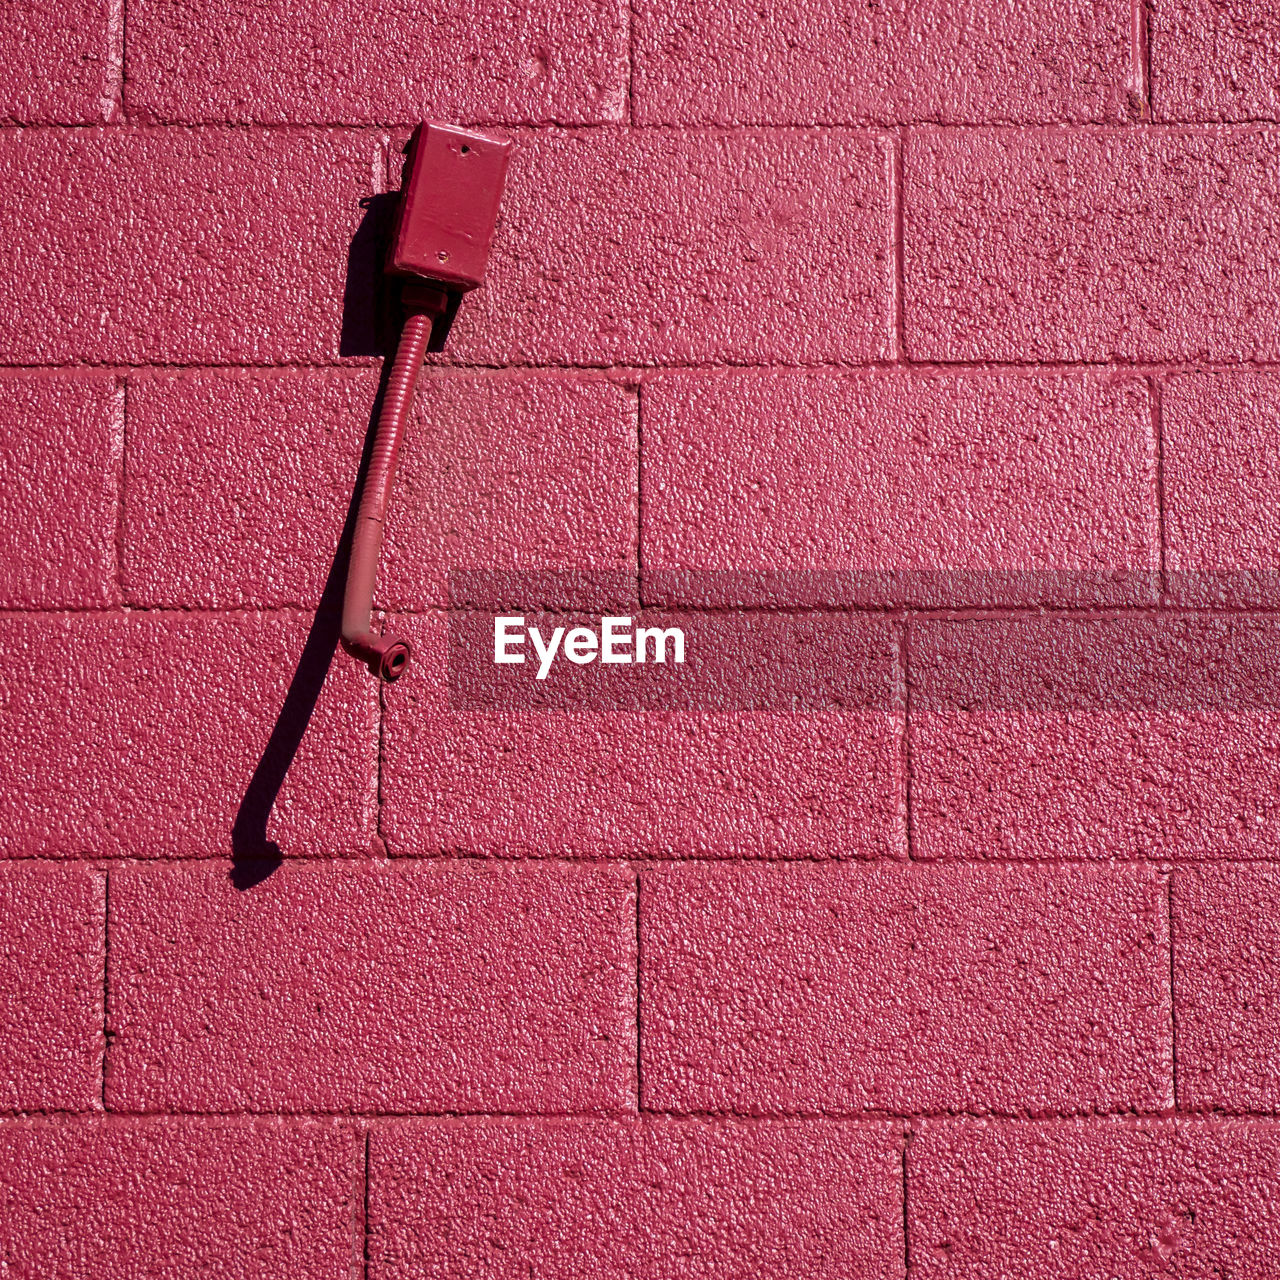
(453, 183)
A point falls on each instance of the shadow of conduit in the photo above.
(368, 309)
(253, 856)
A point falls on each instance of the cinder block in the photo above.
(60, 472)
(651, 1197)
(274, 1200)
(515, 489)
(671, 247)
(804, 63)
(801, 989)
(1225, 985)
(179, 245)
(427, 987)
(796, 752)
(511, 489)
(60, 63)
(1101, 1198)
(52, 923)
(465, 60)
(138, 735)
(1222, 504)
(1058, 244)
(238, 483)
(1215, 60)
(838, 488)
(1141, 736)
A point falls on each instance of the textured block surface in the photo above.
(178, 245)
(1222, 487)
(508, 486)
(939, 61)
(52, 923)
(593, 1199)
(805, 767)
(428, 988)
(1149, 736)
(849, 488)
(136, 1198)
(656, 247)
(904, 989)
(1149, 244)
(238, 483)
(60, 471)
(60, 63)
(1118, 1199)
(919, 362)
(1215, 60)
(1226, 987)
(390, 63)
(138, 735)
(514, 488)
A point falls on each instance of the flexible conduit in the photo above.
(387, 656)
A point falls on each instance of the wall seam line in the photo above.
(550, 369)
(1173, 996)
(368, 1142)
(975, 863)
(106, 982)
(865, 126)
(1156, 391)
(897, 283)
(1143, 20)
(908, 765)
(961, 610)
(640, 495)
(111, 100)
(124, 60)
(640, 1107)
(631, 63)
(907, 1136)
(1123, 1114)
(380, 840)
(122, 493)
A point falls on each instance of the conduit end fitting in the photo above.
(386, 656)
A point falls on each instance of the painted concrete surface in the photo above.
(923, 362)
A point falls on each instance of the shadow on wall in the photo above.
(365, 297)
(370, 299)
(368, 310)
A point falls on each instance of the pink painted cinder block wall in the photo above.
(943, 336)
